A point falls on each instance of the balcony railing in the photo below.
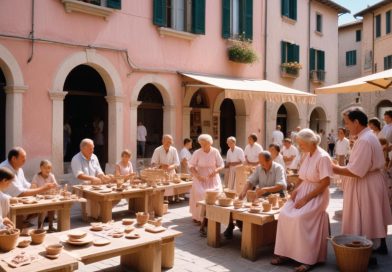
(317, 76)
(290, 72)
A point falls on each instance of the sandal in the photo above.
(303, 268)
(279, 260)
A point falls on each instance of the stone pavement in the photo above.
(193, 254)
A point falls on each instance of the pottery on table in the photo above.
(142, 218)
(8, 239)
(37, 236)
(211, 196)
(54, 249)
(230, 193)
(251, 196)
(267, 206)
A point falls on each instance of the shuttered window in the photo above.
(388, 22)
(319, 22)
(351, 58)
(289, 8)
(388, 62)
(289, 52)
(316, 60)
(237, 19)
(358, 35)
(181, 15)
(378, 26)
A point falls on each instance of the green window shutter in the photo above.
(226, 19)
(248, 12)
(354, 57)
(296, 52)
(320, 60)
(388, 22)
(358, 35)
(283, 46)
(285, 8)
(378, 26)
(312, 60)
(114, 4)
(199, 17)
(385, 63)
(347, 58)
(159, 13)
(293, 9)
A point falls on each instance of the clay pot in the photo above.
(225, 201)
(251, 196)
(54, 249)
(238, 204)
(8, 239)
(142, 218)
(280, 203)
(267, 206)
(273, 199)
(37, 236)
(230, 193)
(211, 196)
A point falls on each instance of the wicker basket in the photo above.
(211, 197)
(225, 201)
(352, 259)
(8, 241)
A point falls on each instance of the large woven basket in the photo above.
(352, 259)
(211, 197)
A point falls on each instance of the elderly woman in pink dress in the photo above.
(205, 164)
(366, 208)
(304, 215)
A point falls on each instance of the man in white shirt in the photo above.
(234, 157)
(289, 152)
(277, 136)
(342, 147)
(252, 150)
(141, 132)
(166, 156)
(274, 149)
(185, 155)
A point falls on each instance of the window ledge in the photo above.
(83, 7)
(288, 20)
(318, 33)
(165, 31)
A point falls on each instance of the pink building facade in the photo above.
(67, 63)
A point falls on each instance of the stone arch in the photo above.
(382, 106)
(113, 86)
(14, 89)
(317, 119)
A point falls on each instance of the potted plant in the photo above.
(290, 69)
(241, 51)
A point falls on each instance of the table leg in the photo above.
(157, 202)
(147, 259)
(64, 219)
(84, 211)
(213, 233)
(106, 211)
(249, 241)
(141, 203)
(168, 253)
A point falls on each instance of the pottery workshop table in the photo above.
(105, 198)
(150, 252)
(63, 208)
(64, 263)
(257, 230)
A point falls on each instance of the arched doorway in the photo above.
(318, 120)
(86, 112)
(287, 117)
(150, 113)
(382, 107)
(2, 116)
(199, 103)
(227, 123)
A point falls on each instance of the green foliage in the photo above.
(241, 51)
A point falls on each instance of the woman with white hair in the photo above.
(303, 221)
(205, 164)
(235, 156)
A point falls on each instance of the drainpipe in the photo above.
(307, 55)
(265, 69)
(373, 53)
(32, 31)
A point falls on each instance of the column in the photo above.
(186, 122)
(133, 128)
(216, 140)
(242, 129)
(115, 127)
(57, 131)
(14, 115)
(169, 121)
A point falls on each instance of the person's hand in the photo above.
(300, 203)
(8, 223)
(95, 181)
(49, 186)
(211, 175)
(260, 192)
(293, 195)
(165, 166)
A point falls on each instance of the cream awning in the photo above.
(371, 83)
(249, 89)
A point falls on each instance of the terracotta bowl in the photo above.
(267, 206)
(251, 196)
(211, 197)
(225, 201)
(37, 236)
(54, 249)
(273, 199)
(127, 221)
(230, 193)
(142, 218)
(238, 204)
(8, 240)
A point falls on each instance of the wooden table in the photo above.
(148, 253)
(257, 230)
(65, 262)
(63, 208)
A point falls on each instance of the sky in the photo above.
(354, 6)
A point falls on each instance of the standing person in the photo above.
(252, 150)
(387, 129)
(6, 177)
(331, 143)
(277, 136)
(234, 157)
(290, 153)
(205, 164)
(45, 176)
(185, 155)
(342, 147)
(366, 208)
(375, 126)
(141, 132)
(303, 221)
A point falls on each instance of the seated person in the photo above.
(268, 178)
(124, 167)
(290, 153)
(6, 178)
(20, 186)
(85, 165)
(45, 176)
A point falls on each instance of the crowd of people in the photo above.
(360, 155)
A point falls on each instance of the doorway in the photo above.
(227, 123)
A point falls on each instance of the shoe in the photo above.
(228, 233)
(372, 261)
(382, 249)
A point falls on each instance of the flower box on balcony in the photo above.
(317, 76)
(290, 69)
(241, 51)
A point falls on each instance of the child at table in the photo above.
(6, 177)
(124, 167)
(43, 177)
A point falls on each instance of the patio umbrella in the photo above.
(371, 83)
